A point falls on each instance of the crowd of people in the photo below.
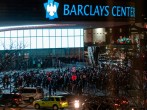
(73, 79)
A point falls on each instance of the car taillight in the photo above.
(61, 103)
(125, 102)
(15, 99)
(116, 105)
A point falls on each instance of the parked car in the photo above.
(30, 93)
(54, 102)
(10, 99)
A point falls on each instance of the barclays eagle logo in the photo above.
(51, 9)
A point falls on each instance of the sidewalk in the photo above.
(58, 92)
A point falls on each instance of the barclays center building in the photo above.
(44, 29)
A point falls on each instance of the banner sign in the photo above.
(67, 10)
(55, 10)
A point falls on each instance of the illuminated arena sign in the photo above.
(86, 10)
(67, 10)
(89, 10)
(51, 9)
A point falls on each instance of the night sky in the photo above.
(145, 5)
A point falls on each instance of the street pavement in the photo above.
(26, 106)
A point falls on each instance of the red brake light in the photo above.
(61, 103)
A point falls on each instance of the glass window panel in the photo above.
(52, 42)
(20, 33)
(33, 32)
(14, 33)
(64, 32)
(64, 42)
(13, 43)
(39, 42)
(82, 41)
(2, 34)
(27, 43)
(45, 32)
(7, 33)
(1, 47)
(2, 43)
(39, 32)
(7, 43)
(26, 33)
(20, 43)
(77, 32)
(58, 42)
(77, 42)
(45, 42)
(33, 42)
(82, 32)
(58, 32)
(71, 41)
(52, 32)
(70, 32)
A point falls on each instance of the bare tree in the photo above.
(12, 56)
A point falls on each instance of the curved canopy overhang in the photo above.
(30, 25)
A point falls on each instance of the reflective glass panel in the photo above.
(33, 32)
(27, 43)
(58, 42)
(7, 33)
(2, 34)
(20, 43)
(33, 42)
(58, 32)
(77, 32)
(64, 32)
(71, 41)
(39, 42)
(39, 32)
(52, 42)
(77, 42)
(46, 42)
(70, 32)
(26, 33)
(64, 42)
(45, 32)
(20, 33)
(14, 33)
(7, 44)
(52, 32)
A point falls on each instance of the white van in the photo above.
(30, 93)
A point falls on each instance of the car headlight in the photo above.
(76, 104)
(83, 104)
(132, 109)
